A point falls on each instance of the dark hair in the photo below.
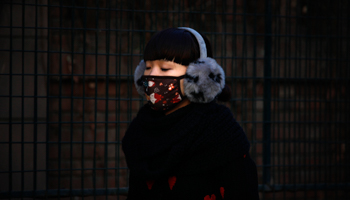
(176, 45)
(181, 47)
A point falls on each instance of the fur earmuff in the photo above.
(140, 69)
(204, 80)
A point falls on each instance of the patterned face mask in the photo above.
(162, 92)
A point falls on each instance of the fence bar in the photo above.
(95, 103)
(10, 184)
(267, 95)
(35, 131)
(22, 101)
(47, 139)
(83, 146)
(53, 193)
(71, 129)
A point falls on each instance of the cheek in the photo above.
(147, 72)
(182, 87)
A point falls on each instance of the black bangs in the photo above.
(172, 44)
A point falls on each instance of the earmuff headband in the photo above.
(201, 42)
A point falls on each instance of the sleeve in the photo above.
(238, 180)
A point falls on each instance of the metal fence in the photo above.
(67, 95)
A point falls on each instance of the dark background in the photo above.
(67, 94)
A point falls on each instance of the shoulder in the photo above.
(218, 122)
(217, 114)
(215, 109)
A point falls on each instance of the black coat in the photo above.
(197, 152)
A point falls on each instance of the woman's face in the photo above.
(165, 68)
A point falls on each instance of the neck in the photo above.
(183, 103)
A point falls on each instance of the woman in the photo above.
(182, 144)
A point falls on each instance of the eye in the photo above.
(164, 69)
(148, 68)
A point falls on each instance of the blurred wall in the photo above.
(23, 106)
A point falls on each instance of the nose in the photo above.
(154, 71)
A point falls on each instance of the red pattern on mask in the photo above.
(171, 87)
(150, 184)
(222, 192)
(176, 99)
(172, 181)
(157, 97)
(212, 197)
(151, 83)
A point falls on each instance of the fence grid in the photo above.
(67, 94)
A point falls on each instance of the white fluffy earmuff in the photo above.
(139, 71)
(204, 78)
